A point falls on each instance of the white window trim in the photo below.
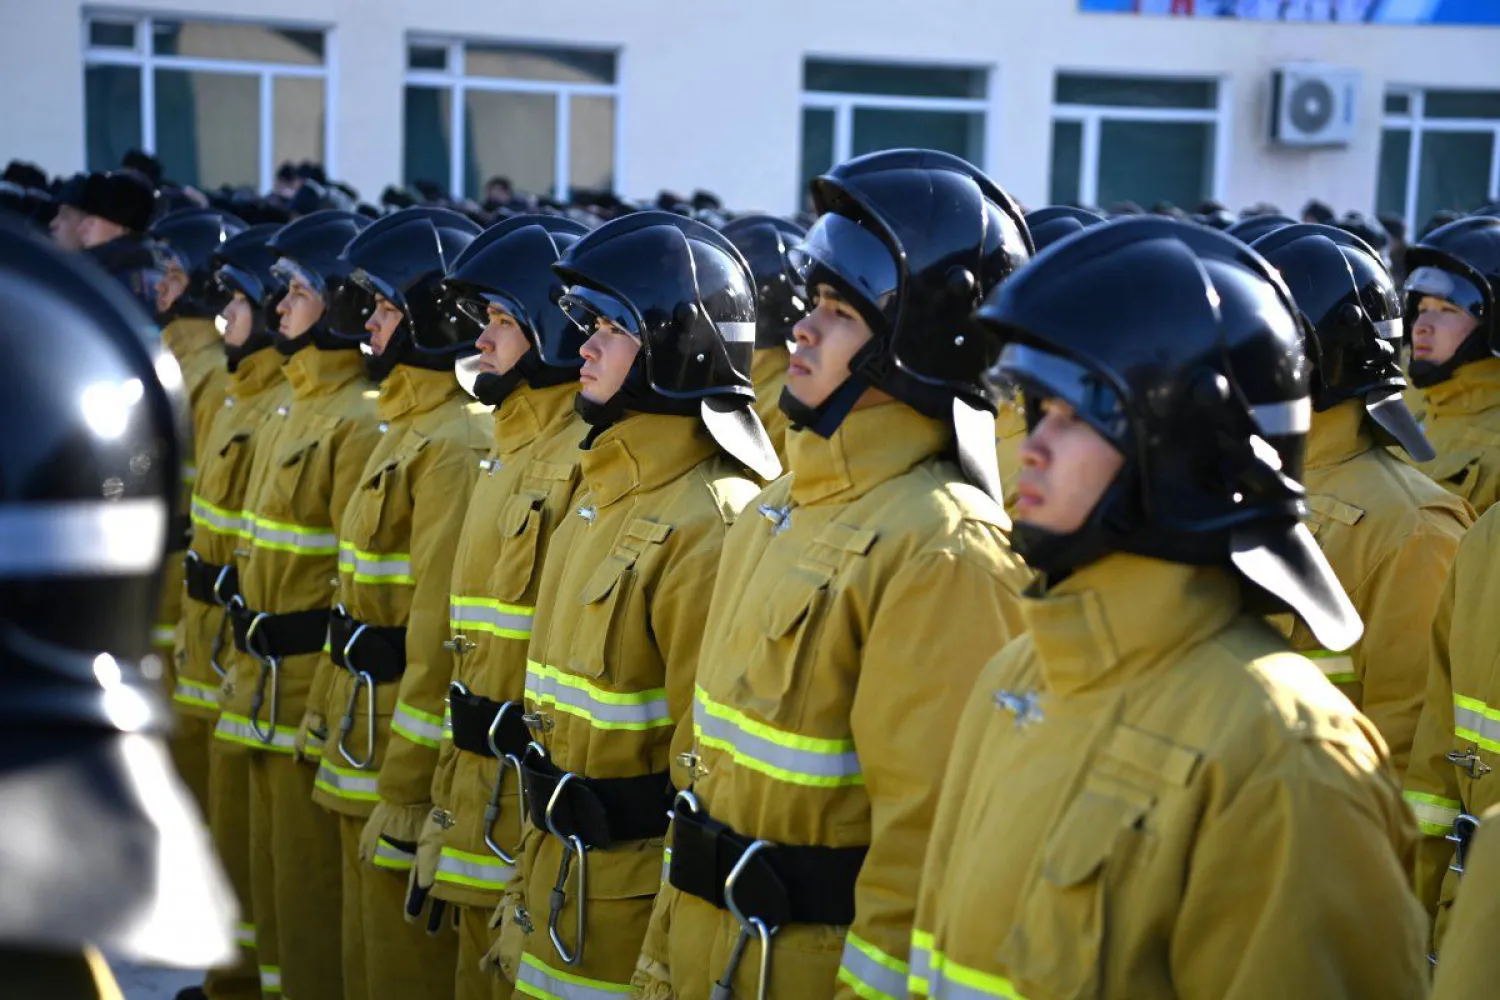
(1092, 117)
(458, 83)
(141, 56)
(1415, 123)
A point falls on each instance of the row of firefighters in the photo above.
(525, 670)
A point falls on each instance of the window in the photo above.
(853, 108)
(546, 119)
(1139, 139)
(218, 103)
(1439, 149)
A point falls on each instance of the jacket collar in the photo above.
(1124, 616)
(189, 335)
(409, 391)
(255, 374)
(641, 452)
(321, 373)
(1338, 434)
(1474, 388)
(871, 446)
(526, 412)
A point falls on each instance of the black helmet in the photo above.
(914, 239)
(510, 265)
(188, 238)
(1050, 224)
(1253, 227)
(1352, 312)
(1459, 263)
(766, 242)
(98, 824)
(687, 293)
(310, 250)
(403, 258)
(1182, 348)
(243, 264)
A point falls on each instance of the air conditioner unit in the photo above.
(1313, 105)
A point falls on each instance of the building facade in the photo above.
(750, 99)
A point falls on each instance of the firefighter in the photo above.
(781, 301)
(304, 471)
(383, 691)
(669, 308)
(1388, 532)
(1149, 793)
(1453, 329)
(104, 848)
(1469, 967)
(853, 609)
(527, 369)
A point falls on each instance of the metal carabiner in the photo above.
(572, 845)
(687, 798)
(218, 645)
(492, 808)
(218, 591)
(346, 724)
(723, 988)
(349, 647)
(1464, 828)
(269, 666)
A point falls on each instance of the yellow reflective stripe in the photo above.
(299, 539)
(190, 692)
(244, 935)
(189, 473)
(935, 975)
(348, 783)
(270, 979)
(375, 567)
(800, 760)
(478, 871)
(163, 634)
(534, 978)
(1337, 667)
(417, 726)
(666, 865)
(870, 972)
(480, 614)
(392, 858)
(1476, 722)
(233, 728)
(1435, 814)
(628, 710)
(216, 519)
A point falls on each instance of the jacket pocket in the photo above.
(222, 483)
(598, 643)
(792, 624)
(520, 531)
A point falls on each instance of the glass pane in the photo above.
(1067, 162)
(512, 136)
(297, 126)
(514, 62)
(112, 110)
(591, 143)
(427, 57)
(1151, 162)
(1455, 172)
(208, 127)
(429, 137)
(111, 35)
(1136, 92)
(957, 132)
(252, 42)
(817, 149)
(1390, 185)
(898, 80)
(1461, 104)
(1397, 104)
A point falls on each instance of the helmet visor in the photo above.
(1042, 375)
(853, 253)
(290, 272)
(1441, 284)
(233, 278)
(584, 307)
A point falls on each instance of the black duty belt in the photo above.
(599, 811)
(780, 884)
(472, 717)
(179, 533)
(278, 636)
(209, 583)
(377, 650)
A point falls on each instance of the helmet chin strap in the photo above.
(826, 417)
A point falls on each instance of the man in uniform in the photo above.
(254, 390)
(1149, 794)
(853, 609)
(1453, 321)
(397, 537)
(115, 210)
(669, 306)
(780, 302)
(302, 475)
(104, 848)
(1388, 531)
(527, 369)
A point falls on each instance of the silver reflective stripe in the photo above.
(375, 567)
(797, 759)
(738, 333)
(194, 693)
(474, 870)
(292, 538)
(1435, 814)
(360, 786)
(389, 856)
(603, 709)
(163, 635)
(1474, 720)
(416, 726)
(244, 935)
(506, 620)
(536, 979)
(233, 728)
(1390, 329)
(930, 977)
(1337, 667)
(121, 536)
(270, 978)
(1276, 419)
(216, 519)
(873, 974)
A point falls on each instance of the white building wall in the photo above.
(710, 94)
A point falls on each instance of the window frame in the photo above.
(1415, 123)
(1091, 117)
(843, 104)
(458, 83)
(141, 57)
